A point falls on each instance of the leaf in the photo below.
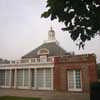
(77, 16)
(45, 14)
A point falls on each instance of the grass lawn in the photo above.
(17, 98)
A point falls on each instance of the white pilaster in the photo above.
(15, 78)
(5, 79)
(10, 78)
(23, 76)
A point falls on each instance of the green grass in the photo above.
(17, 98)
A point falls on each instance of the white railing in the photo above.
(33, 60)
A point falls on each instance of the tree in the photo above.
(80, 17)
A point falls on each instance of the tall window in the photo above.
(26, 79)
(20, 77)
(40, 78)
(2, 77)
(44, 78)
(48, 78)
(74, 80)
(7, 77)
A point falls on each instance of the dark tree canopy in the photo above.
(80, 17)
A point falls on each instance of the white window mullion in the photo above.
(15, 78)
(23, 77)
(35, 78)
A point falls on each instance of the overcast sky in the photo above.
(22, 29)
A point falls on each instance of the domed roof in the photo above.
(53, 48)
(50, 47)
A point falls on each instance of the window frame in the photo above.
(74, 80)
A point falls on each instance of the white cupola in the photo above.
(51, 35)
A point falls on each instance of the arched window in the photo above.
(43, 51)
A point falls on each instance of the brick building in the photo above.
(75, 73)
(50, 67)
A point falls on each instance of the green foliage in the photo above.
(17, 98)
(81, 17)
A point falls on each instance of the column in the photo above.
(5, 79)
(15, 78)
(10, 78)
(23, 77)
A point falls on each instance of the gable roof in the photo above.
(53, 47)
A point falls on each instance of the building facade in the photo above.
(50, 67)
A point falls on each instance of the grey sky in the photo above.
(22, 29)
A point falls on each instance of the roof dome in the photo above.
(50, 48)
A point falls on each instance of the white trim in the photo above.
(3, 86)
(15, 78)
(74, 89)
(42, 88)
(26, 61)
(23, 77)
(10, 78)
(29, 66)
(23, 87)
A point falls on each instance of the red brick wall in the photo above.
(86, 64)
